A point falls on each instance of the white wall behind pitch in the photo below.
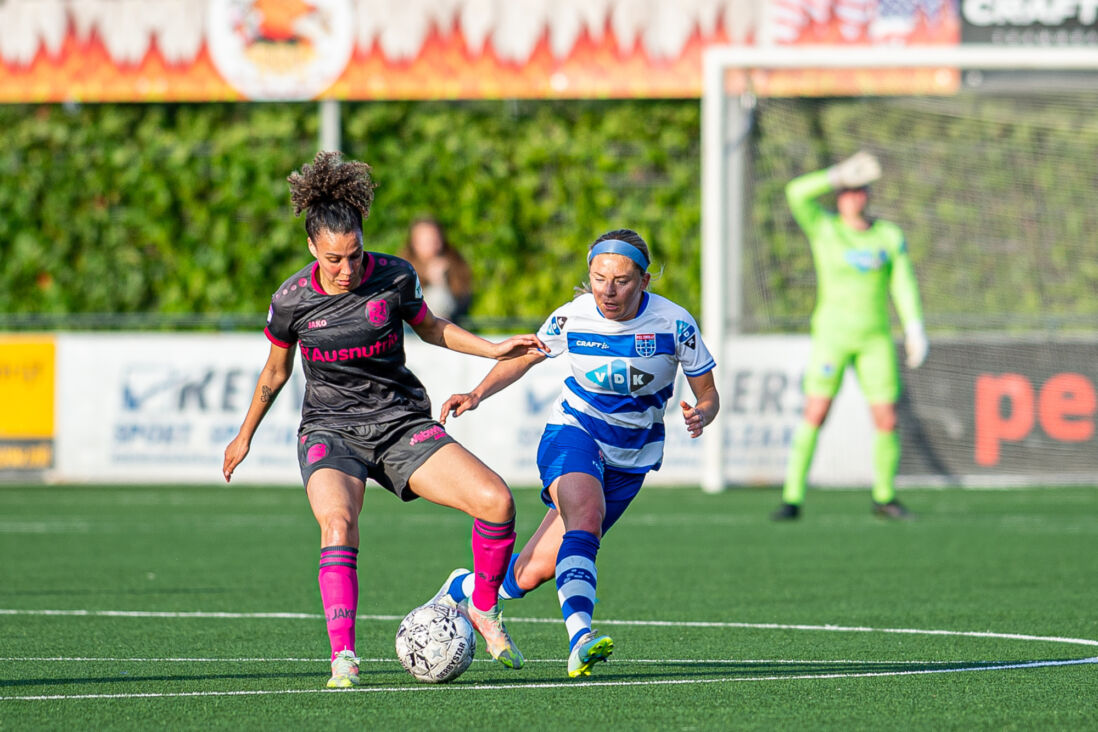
(160, 408)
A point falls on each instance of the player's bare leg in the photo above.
(454, 477)
(537, 562)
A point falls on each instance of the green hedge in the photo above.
(158, 213)
(180, 209)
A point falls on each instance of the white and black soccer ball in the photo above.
(435, 643)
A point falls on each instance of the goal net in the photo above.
(990, 166)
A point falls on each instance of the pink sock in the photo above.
(492, 547)
(338, 581)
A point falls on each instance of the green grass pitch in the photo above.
(134, 607)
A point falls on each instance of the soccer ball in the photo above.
(435, 643)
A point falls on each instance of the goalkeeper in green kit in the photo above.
(859, 261)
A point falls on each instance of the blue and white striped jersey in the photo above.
(623, 374)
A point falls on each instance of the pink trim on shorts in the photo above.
(272, 339)
(419, 316)
(316, 452)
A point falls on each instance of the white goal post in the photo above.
(726, 127)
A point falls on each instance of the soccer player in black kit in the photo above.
(365, 415)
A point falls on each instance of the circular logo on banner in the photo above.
(280, 49)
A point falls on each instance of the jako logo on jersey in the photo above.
(645, 343)
(866, 261)
(555, 326)
(377, 311)
(318, 323)
(686, 334)
(387, 343)
(619, 377)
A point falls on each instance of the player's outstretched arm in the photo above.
(276, 372)
(441, 332)
(502, 375)
(707, 402)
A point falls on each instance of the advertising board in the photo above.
(27, 396)
(162, 408)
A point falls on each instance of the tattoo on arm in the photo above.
(265, 394)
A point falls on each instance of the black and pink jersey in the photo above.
(352, 344)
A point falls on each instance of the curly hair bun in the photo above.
(329, 180)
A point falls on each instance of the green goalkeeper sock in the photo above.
(886, 462)
(800, 460)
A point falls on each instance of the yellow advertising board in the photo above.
(27, 366)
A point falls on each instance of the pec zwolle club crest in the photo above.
(645, 343)
(555, 325)
(377, 311)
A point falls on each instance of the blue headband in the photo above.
(617, 246)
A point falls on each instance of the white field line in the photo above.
(554, 685)
(510, 619)
(173, 614)
(486, 661)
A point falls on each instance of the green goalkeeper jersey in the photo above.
(855, 270)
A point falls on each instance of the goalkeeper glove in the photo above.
(860, 169)
(915, 344)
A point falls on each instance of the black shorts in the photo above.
(388, 453)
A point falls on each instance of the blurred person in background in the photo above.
(625, 347)
(365, 415)
(860, 261)
(444, 274)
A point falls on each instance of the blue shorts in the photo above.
(564, 449)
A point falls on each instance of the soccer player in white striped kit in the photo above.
(606, 432)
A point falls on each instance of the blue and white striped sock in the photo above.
(462, 586)
(576, 581)
(510, 590)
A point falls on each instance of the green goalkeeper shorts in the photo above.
(873, 358)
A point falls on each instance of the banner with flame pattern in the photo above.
(226, 50)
